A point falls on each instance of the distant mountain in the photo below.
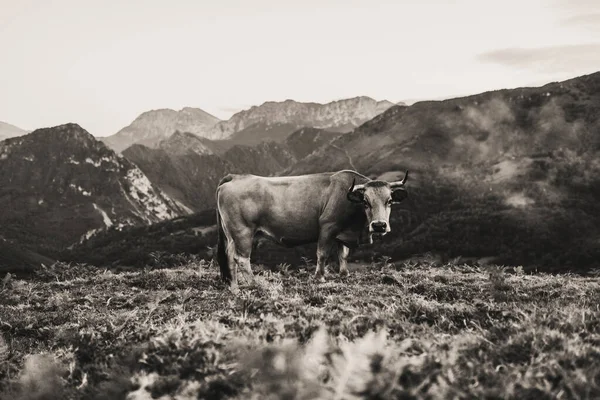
(185, 142)
(272, 121)
(153, 126)
(8, 131)
(59, 185)
(512, 173)
(287, 116)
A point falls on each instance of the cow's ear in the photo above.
(399, 195)
(356, 196)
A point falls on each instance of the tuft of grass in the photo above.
(386, 331)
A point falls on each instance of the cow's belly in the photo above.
(290, 234)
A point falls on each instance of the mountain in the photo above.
(180, 143)
(60, 184)
(153, 126)
(287, 116)
(191, 177)
(8, 131)
(188, 168)
(512, 173)
(306, 140)
(272, 121)
(188, 178)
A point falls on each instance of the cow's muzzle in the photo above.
(379, 227)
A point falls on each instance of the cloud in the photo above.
(583, 21)
(587, 6)
(554, 59)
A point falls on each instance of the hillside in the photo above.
(59, 184)
(18, 260)
(188, 168)
(153, 126)
(304, 141)
(285, 117)
(191, 178)
(512, 173)
(8, 131)
(401, 331)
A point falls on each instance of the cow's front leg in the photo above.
(342, 255)
(324, 246)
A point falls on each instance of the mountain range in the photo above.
(60, 185)
(511, 175)
(271, 121)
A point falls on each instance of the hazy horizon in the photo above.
(101, 65)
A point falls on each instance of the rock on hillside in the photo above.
(60, 184)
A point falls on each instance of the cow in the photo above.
(334, 209)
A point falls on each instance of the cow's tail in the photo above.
(222, 259)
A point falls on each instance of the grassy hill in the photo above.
(387, 331)
(512, 174)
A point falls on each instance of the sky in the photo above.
(101, 63)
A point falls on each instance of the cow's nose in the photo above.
(379, 226)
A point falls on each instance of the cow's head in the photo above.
(377, 198)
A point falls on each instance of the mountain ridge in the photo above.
(270, 121)
(341, 114)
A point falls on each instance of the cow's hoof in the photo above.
(320, 278)
(344, 272)
(234, 289)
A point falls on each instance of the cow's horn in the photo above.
(357, 187)
(401, 183)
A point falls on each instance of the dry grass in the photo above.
(404, 331)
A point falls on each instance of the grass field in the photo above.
(386, 331)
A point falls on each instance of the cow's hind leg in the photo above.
(239, 250)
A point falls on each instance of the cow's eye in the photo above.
(366, 204)
(388, 203)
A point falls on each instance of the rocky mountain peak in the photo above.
(61, 184)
